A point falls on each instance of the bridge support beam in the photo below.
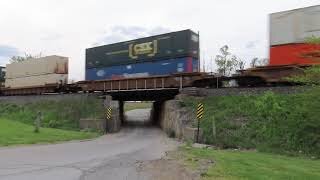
(156, 112)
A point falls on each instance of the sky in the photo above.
(68, 27)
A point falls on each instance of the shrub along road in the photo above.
(286, 124)
(62, 114)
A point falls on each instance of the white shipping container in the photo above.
(40, 66)
(40, 80)
(294, 26)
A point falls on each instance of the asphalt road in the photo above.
(115, 156)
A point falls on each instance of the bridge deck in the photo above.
(177, 81)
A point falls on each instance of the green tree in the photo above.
(313, 40)
(255, 62)
(26, 57)
(314, 52)
(226, 62)
(310, 76)
(240, 64)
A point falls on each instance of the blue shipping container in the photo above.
(165, 67)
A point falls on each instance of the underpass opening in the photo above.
(141, 107)
(137, 114)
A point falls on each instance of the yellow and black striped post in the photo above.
(200, 111)
(109, 113)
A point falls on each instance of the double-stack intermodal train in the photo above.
(159, 61)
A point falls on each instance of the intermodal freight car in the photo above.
(289, 31)
(290, 51)
(176, 52)
(37, 72)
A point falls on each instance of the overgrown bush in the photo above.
(270, 122)
(64, 114)
(310, 77)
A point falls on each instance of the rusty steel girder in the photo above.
(270, 74)
(154, 82)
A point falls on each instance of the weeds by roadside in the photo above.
(64, 114)
(286, 124)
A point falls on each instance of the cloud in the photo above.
(51, 36)
(124, 33)
(158, 30)
(109, 39)
(6, 52)
(252, 44)
(131, 31)
(69, 27)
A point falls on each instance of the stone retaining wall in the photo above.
(174, 119)
(96, 124)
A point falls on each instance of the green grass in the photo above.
(15, 133)
(234, 165)
(128, 106)
(64, 114)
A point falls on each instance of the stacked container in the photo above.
(37, 72)
(288, 33)
(170, 53)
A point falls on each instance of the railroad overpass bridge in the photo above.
(157, 89)
(144, 86)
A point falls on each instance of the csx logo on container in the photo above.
(143, 48)
(148, 48)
